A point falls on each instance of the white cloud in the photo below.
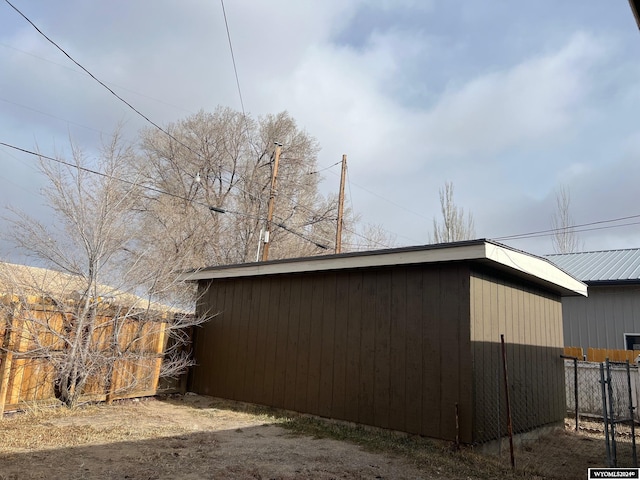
(536, 100)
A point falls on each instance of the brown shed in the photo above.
(390, 338)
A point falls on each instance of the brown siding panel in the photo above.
(530, 319)
(273, 323)
(340, 347)
(351, 407)
(302, 377)
(414, 361)
(280, 379)
(395, 347)
(315, 342)
(292, 343)
(397, 419)
(382, 322)
(366, 394)
(244, 323)
(328, 341)
(252, 350)
(431, 376)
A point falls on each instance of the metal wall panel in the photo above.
(602, 319)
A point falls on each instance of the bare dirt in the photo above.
(195, 437)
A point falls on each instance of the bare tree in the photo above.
(455, 225)
(89, 315)
(369, 237)
(565, 239)
(224, 160)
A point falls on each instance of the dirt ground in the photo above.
(195, 437)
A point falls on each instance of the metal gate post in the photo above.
(631, 418)
(605, 415)
(612, 422)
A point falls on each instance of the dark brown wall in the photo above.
(388, 347)
(531, 321)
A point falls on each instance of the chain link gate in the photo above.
(618, 414)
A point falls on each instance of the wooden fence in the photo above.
(27, 373)
(601, 354)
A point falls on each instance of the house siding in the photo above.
(396, 347)
(531, 322)
(602, 319)
(387, 346)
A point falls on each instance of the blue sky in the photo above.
(506, 100)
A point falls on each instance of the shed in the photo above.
(610, 317)
(400, 339)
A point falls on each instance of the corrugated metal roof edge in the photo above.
(588, 279)
(591, 251)
(534, 267)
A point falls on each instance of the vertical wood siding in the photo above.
(602, 319)
(388, 347)
(531, 321)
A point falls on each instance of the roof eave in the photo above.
(535, 269)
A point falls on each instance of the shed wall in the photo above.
(531, 321)
(388, 346)
(602, 319)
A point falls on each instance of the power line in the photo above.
(102, 83)
(576, 228)
(157, 190)
(68, 122)
(108, 83)
(323, 169)
(129, 105)
(233, 58)
(387, 200)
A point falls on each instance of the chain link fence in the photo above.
(601, 398)
(532, 405)
(598, 400)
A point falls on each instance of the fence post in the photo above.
(5, 367)
(614, 453)
(506, 390)
(8, 345)
(575, 386)
(605, 415)
(632, 420)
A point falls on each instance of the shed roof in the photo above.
(535, 269)
(605, 266)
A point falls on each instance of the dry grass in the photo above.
(199, 437)
(88, 424)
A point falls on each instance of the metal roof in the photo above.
(602, 266)
(535, 269)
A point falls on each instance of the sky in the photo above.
(509, 101)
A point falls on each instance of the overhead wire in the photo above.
(129, 105)
(575, 228)
(121, 99)
(280, 224)
(108, 83)
(233, 58)
(147, 119)
(68, 122)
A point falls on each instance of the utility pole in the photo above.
(341, 205)
(272, 200)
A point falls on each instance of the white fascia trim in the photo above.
(530, 265)
(534, 266)
(384, 258)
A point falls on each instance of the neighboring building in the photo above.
(610, 316)
(406, 339)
